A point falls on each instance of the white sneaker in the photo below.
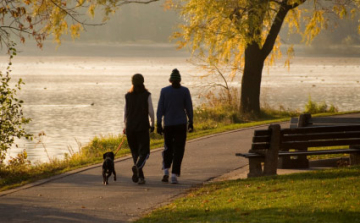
(174, 180)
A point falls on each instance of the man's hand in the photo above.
(159, 129)
(190, 127)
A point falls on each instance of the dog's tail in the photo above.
(117, 150)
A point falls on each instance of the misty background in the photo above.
(149, 24)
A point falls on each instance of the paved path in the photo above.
(80, 196)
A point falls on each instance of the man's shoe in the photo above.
(174, 180)
(135, 176)
(141, 180)
(165, 178)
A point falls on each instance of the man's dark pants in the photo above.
(175, 139)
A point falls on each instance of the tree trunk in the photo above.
(255, 56)
(251, 80)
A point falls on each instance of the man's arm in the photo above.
(160, 109)
(189, 106)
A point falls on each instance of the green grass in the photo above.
(318, 196)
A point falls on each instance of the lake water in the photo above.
(73, 96)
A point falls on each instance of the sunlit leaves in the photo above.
(41, 18)
(75, 30)
(290, 54)
(340, 10)
(221, 30)
(80, 2)
(315, 24)
(293, 20)
(169, 4)
(211, 25)
(91, 10)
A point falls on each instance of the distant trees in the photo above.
(244, 33)
(40, 18)
(135, 23)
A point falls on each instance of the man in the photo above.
(175, 106)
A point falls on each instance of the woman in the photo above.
(175, 106)
(138, 109)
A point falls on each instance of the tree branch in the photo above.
(2, 28)
(276, 26)
(125, 2)
(222, 76)
(66, 12)
(294, 5)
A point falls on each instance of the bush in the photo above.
(11, 114)
(222, 108)
(314, 108)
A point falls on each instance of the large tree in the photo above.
(245, 33)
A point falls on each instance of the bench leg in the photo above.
(354, 157)
(271, 164)
(302, 162)
(255, 167)
(271, 157)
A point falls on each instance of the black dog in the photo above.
(108, 167)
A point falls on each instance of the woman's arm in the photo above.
(151, 111)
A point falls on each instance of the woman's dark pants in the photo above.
(139, 143)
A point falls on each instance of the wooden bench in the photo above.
(305, 121)
(273, 143)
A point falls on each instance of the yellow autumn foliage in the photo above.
(42, 18)
(221, 30)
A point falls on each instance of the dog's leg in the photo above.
(104, 177)
(107, 177)
(114, 175)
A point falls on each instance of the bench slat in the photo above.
(304, 144)
(298, 153)
(260, 146)
(320, 136)
(345, 121)
(322, 129)
(257, 139)
(249, 155)
(319, 152)
(262, 132)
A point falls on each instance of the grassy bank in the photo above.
(319, 196)
(20, 171)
